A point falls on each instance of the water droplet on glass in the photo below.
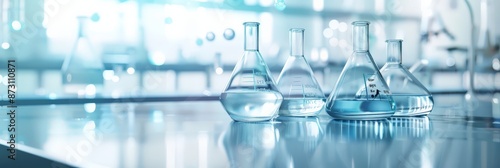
(210, 36)
(229, 34)
(199, 42)
(280, 4)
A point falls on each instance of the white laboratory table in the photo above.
(199, 133)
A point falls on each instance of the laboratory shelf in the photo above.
(173, 133)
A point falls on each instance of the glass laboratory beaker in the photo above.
(251, 94)
(82, 68)
(302, 95)
(410, 96)
(360, 93)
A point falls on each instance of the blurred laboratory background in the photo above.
(137, 48)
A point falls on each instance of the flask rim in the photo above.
(394, 40)
(360, 23)
(251, 23)
(297, 29)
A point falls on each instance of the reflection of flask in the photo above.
(357, 143)
(250, 144)
(251, 94)
(361, 92)
(410, 127)
(299, 138)
(412, 139)
(410, 96)
(302, 95)
(82, 68)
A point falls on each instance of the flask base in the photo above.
(362, 116)
(251, 106)
(301, 107)
(239, 118)
(414, 114)
(291, 114)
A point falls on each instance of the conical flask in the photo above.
(251, 94)
(302, 95)
(410, 96)
(360, 93)
(82, 68)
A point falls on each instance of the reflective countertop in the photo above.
(199, 133)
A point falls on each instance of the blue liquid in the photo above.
(251, 105)
(361, 109)
(301, 106)
(413, 105)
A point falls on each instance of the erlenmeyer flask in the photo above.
(251, 94)
(410, 96)
(82, 68)
(360, 93)
(302, 95)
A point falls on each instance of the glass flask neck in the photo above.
(394, 53)
(251, 36)
(296, 42)
(82, 25)
(360, 36)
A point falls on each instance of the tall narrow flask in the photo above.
(302, 95)
(251, 94)
(82, 68)
(361, 92)
(410, 96)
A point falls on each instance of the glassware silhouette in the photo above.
(82, 67)
(251, 94)
(361, 92)
(410, 96)
(302, 95)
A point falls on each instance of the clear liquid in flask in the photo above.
(251, 94)
(302, 95)
(249, 105)
(410, 96)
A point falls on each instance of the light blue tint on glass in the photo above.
(411, 97)
(82, 67)
(302, 95)
(361, 92)
(251, 94)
